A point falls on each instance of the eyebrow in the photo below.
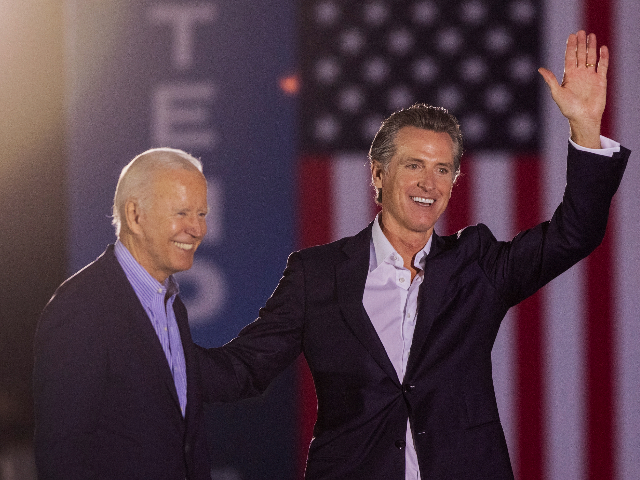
(413, 160)
(419, 160)
(446, 164)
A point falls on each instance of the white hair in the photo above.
(136, 179)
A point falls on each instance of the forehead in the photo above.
(420, 143)
(178, 185)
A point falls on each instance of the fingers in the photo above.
(549, 78)
(603, 64)
(581, 51)
(570, 59)
(592, 51)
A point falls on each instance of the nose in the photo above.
(197, 226)
(427, 180)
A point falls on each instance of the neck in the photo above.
(405, 242)
(128, 241)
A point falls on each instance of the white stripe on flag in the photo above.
(352, 194)
(565, 376)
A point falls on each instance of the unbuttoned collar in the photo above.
(382, 250)
(143, 283)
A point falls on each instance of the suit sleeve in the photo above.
(69, 375)
(538, 255)
(262, 349)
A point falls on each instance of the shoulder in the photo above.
(322, 252)
(338, 248)
(77, 311)
(469, 238)
(336, 251)
(93, 283)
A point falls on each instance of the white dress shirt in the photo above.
(391, 301)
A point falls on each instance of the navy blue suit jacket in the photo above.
(105, 402)
(470, 282)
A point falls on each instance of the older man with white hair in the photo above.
(116, 379)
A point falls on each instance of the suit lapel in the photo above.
(437, 272)
(351, 276)
(142, 332)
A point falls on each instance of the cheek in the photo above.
(445, 185)
(165, 231)
(400, 181)
(174, 226)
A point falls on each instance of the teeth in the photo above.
(183, 246)
(424, 201)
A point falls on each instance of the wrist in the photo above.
(586, 135)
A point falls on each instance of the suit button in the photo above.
(400, 444)
(408, 388)
(187, 447)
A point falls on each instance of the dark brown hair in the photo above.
(419, 115)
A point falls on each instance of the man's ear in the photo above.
(132, 216)
(377, 172)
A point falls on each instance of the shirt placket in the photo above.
(403, 282)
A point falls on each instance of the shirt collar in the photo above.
(381, 249)
(142, 282)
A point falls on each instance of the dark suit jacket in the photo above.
(470, 281)
(105, 402)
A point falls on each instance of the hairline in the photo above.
(394, 149)
(140, 174)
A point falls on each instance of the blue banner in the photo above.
(204, 77)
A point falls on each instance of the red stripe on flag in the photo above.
(599, 292)
(315, 212)
(315, 207)
(528, 334)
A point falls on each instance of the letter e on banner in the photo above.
(180, 116)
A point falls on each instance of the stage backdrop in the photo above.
(205, 77)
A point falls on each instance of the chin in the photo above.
(186, 267)
(182, 266)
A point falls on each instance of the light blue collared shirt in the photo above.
(152, 295)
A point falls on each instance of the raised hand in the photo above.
(582, 95)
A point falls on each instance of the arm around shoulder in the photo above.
(246, 365)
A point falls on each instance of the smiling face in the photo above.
(168, 227)
(417, 184)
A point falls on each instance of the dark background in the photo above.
(32, 195)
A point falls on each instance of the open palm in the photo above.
(582, 95)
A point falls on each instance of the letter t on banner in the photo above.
(183, 20)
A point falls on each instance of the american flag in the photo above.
(567, 360)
